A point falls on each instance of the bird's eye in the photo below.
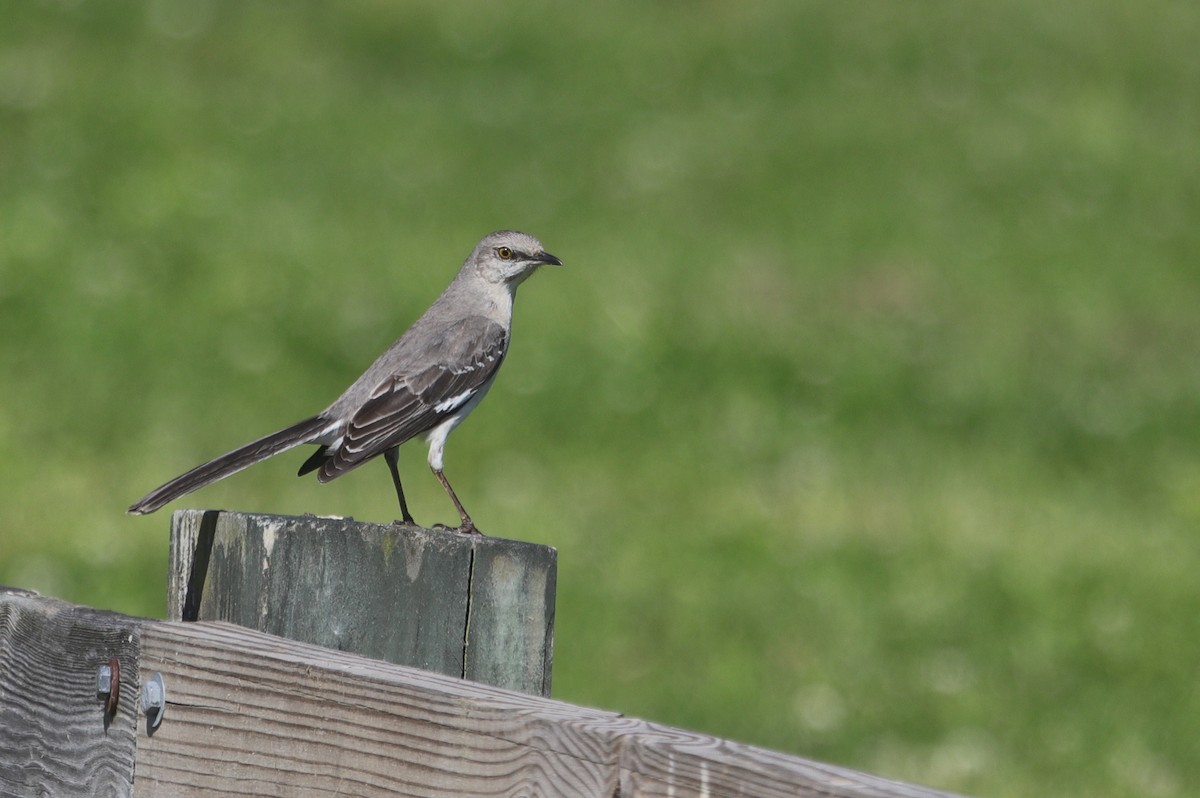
(504, 252)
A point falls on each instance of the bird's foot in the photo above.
(405, 521)
(468, 528)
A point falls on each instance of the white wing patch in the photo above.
(454, 402)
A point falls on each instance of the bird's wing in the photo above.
(462, 361)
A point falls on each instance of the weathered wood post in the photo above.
(477, 607)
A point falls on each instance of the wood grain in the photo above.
(510, 626)
(278, 718)
(660, 760)
(250, 714)
(270, 717)
(462, 605)
(55, 738)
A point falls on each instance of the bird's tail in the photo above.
(303, 432)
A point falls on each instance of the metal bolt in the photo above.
(154, 700)
(103, 679)
(108, 684)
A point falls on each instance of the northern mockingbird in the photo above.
(425, 383)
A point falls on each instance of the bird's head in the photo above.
(508, 257)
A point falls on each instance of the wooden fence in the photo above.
(246, 713)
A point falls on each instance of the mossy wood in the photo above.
(477, 607)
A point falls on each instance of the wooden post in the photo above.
(476, 607)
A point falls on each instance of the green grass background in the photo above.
(864, 416)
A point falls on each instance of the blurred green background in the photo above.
(864, 417)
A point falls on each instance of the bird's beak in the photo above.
(547, 258)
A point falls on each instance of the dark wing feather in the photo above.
(406, 405)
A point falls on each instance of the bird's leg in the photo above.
(392, 456)
(468, 526)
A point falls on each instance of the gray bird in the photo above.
(427, 382)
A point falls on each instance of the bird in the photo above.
(425, 383)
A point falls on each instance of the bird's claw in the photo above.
(467, 528)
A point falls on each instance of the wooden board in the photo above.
(252, 714)
(280, 718)
(55, 736)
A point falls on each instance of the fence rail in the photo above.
(247, 713)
